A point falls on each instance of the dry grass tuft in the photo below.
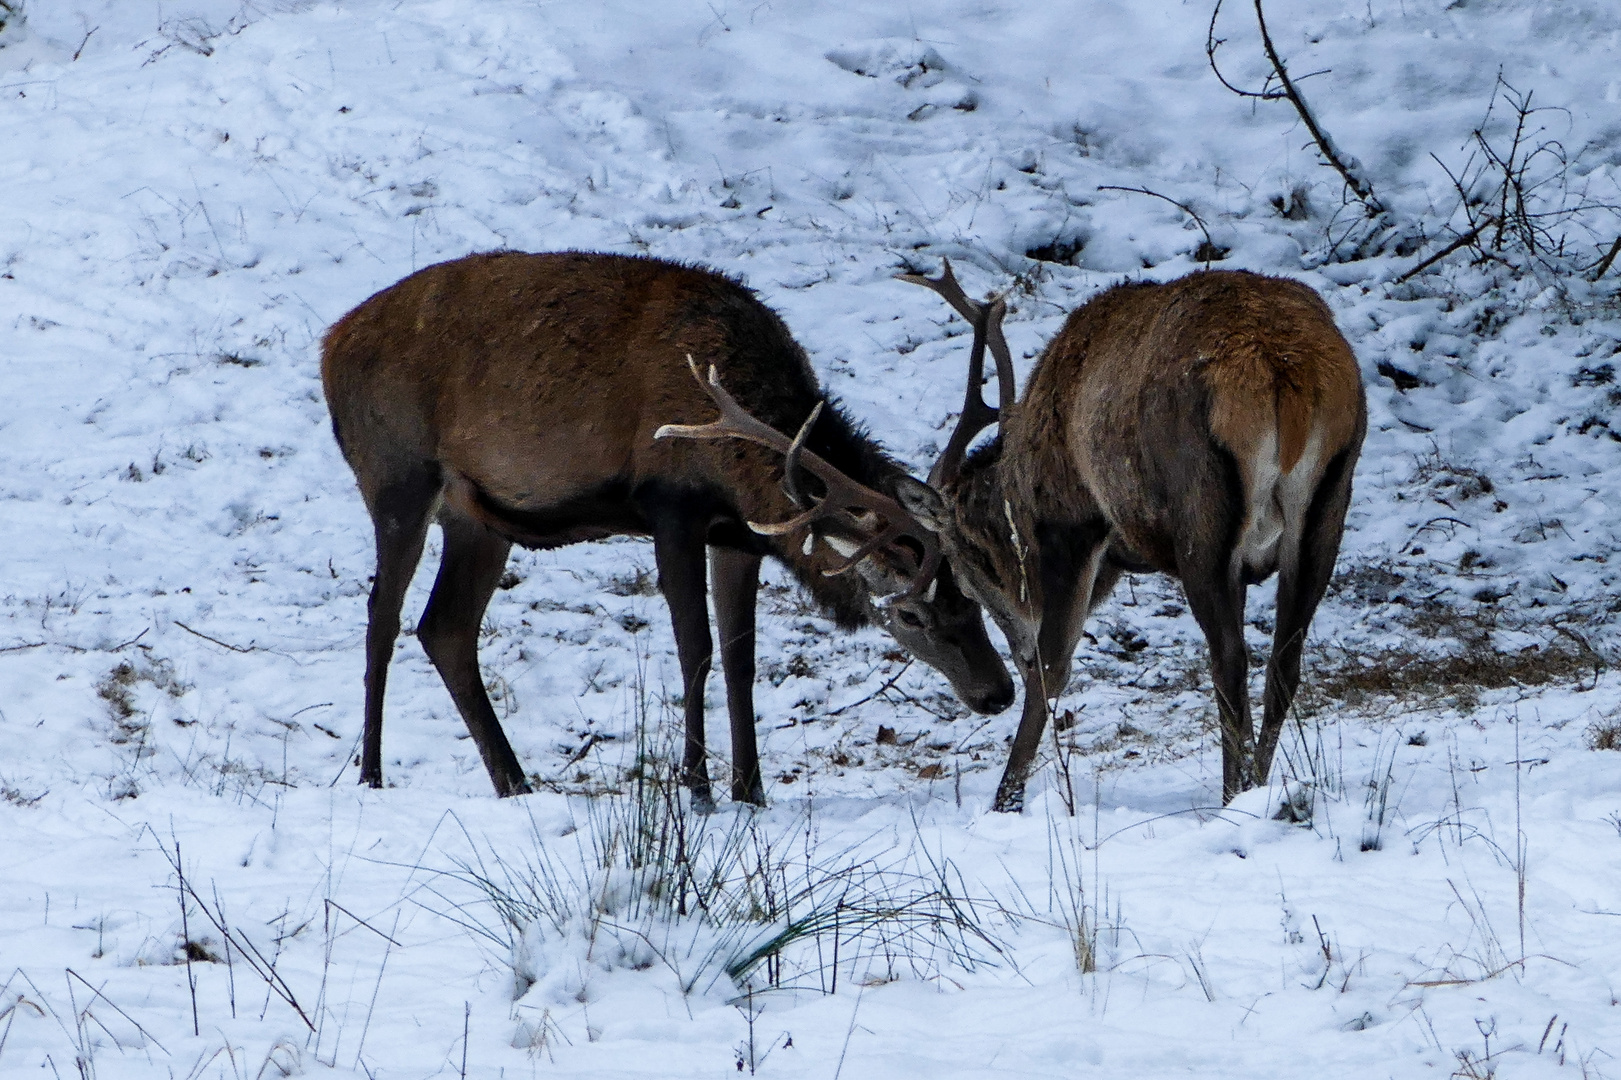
(1342, 677)
(1605, 735)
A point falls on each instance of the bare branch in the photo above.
(1212, 251)
(1349, 171)
(1463, 241)
(1212, 43)
(1604, 263)
(222, 644)
(1353, 179)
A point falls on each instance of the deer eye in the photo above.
(908, 618)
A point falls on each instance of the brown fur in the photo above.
(517, 396)
(560, 369)
(1204, 428)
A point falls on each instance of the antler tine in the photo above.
(843, 493)
(734, 422)
(946, 285)
(928, 566)
(1006, 390)
(976, 415)
(790, 462)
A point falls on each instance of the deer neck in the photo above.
(996, 527)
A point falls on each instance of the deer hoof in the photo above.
(1009, 800)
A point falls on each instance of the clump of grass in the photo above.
(637, 582)
(1457, 483)
(1604, 734)
(115, 688)
(1080, 912)
(1377, 805)
(1078, 902)
(17, 797)
(643, 879)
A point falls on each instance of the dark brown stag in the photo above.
(1206, 428)
(515, 397)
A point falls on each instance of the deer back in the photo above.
(535, 383)
(1145, 380)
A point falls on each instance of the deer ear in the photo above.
(923, 503)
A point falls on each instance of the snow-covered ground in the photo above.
(195, 190)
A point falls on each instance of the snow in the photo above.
(195, 190)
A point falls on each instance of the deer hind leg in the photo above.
(1216, 598)
(1305, 565)
(678, 549)
(1210, 564)
(735, 576)
(1214, 537)
(400, 512)
(473, 561)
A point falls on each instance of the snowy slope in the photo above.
(196, 191)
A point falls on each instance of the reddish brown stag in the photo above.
(514, 398)
(1205, 428)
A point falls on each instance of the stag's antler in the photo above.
(986, 319)
(852, 504)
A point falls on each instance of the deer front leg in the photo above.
(399, 512)
(735, 576)
(1022, 755)
(678, 549)
(1077, 579)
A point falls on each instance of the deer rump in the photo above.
(1206, 413)
(514, 398)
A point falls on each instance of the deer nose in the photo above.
(994, 700)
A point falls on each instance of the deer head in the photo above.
(981, 531)
(870, 534)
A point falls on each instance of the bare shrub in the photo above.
(1523, 199)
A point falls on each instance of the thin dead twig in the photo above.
(136, 640)
(1210, 250)
(262, 966)
(185, 935)
(334, 904)
(856, 704)
(1428, 983)
(1463, 241)
(1604, 264)
(89, 30)
(97, 992)
(222, 644)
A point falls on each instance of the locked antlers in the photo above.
(853, 505)
(986, 319)
(859, 509)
